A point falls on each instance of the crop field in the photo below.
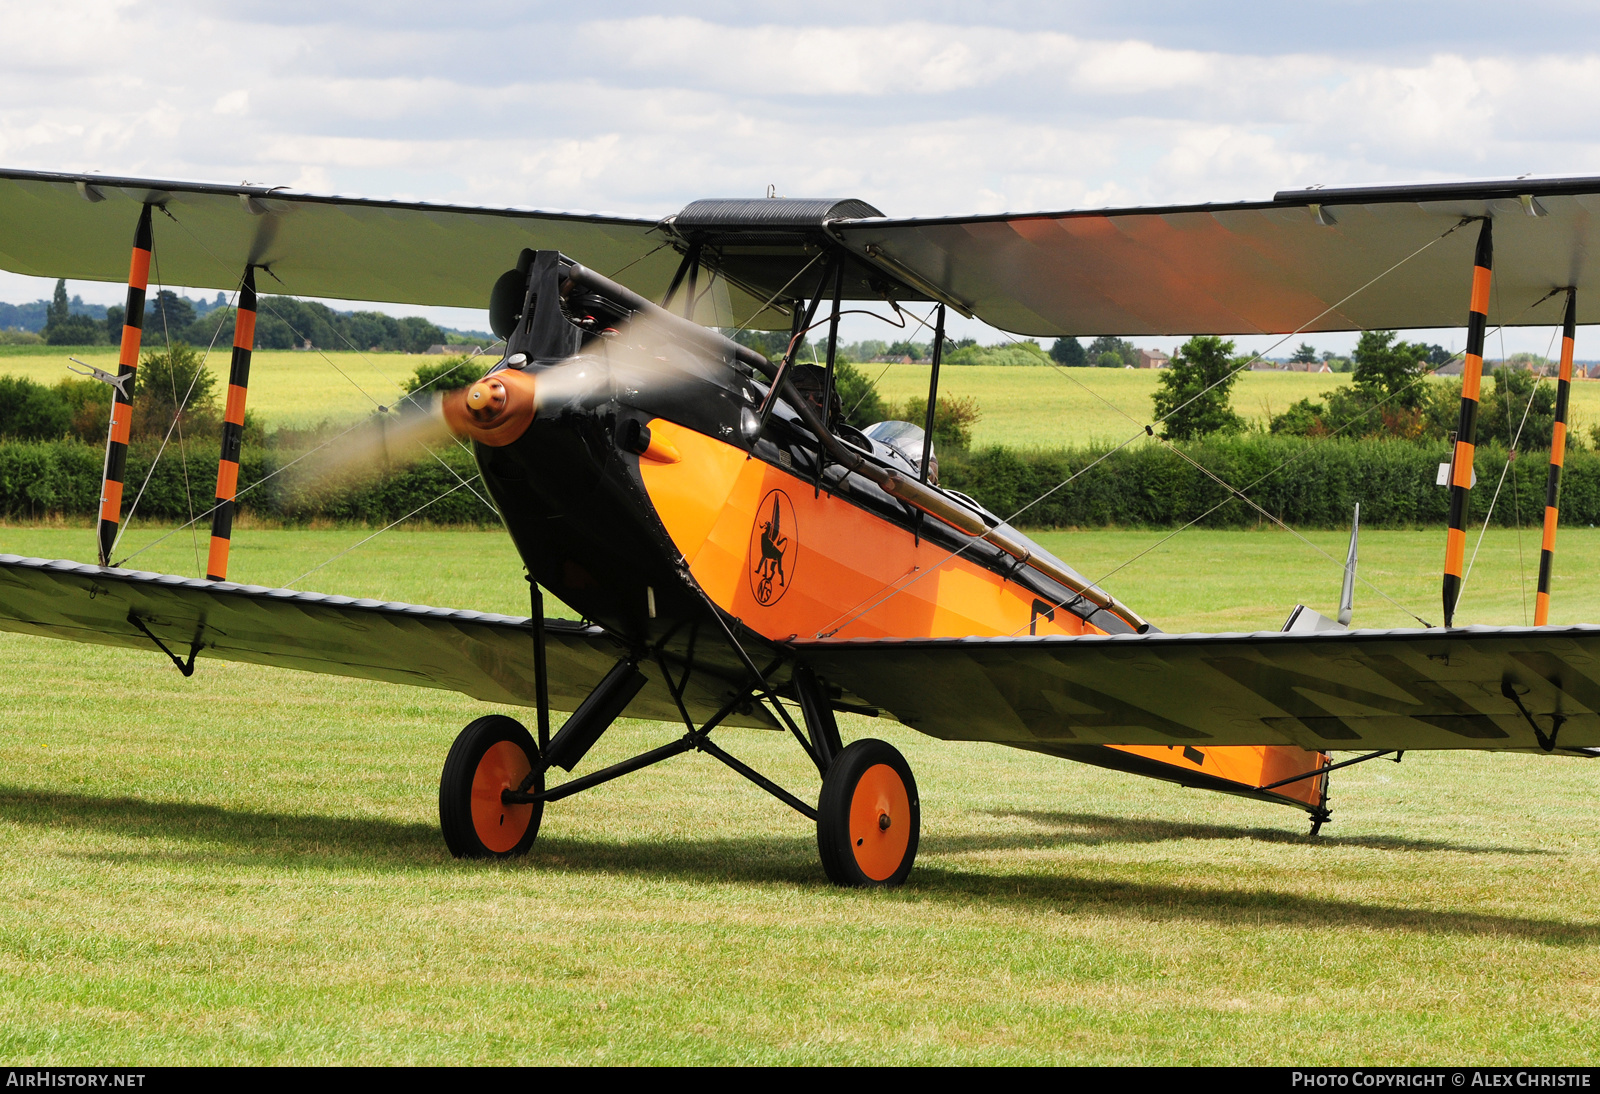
(287, 387)
(1021, 406)
(1066, 408)
(244, 867)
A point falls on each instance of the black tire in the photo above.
(873, 854)
(497, 752)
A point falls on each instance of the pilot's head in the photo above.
(809, 381)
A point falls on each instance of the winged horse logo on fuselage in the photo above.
(769, 580)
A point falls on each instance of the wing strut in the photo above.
(244, 339)
(1467, 425)
(933, 396)
(833, 349)
(1558, 454)
(541, 669)
(121, 401)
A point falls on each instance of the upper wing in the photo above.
(81, 226)
(1253, 267)
(1398, 689)
(488, 657)
(1312, 260)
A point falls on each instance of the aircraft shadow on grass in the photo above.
(239, 837)
(1061, 829)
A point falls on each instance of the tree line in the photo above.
(282, 322)
(1389, 397)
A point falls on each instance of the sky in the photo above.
(931, 108)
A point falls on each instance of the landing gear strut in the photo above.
(492, 792)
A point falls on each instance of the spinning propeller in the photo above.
(629, 360)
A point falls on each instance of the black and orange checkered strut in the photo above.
(1558, 455)
(244, 337)
(122, 405)
(1467, 426)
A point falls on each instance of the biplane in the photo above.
(741, 557)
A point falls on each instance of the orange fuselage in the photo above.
(791, 560)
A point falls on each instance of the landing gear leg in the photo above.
(820, 722)
(868, 817)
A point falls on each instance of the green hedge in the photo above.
(63, 478)
(1305, 483)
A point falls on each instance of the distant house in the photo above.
(456, 348)
(1266, 365)
(1152, 358)
(903, 359)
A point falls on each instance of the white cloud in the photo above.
(938, 112)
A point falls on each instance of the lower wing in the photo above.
(1476, 687)
(488, 657)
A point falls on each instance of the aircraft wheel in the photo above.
(492, 754)
(868, 817)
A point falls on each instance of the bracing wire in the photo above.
(266, 304)
(1510, 459)
(246, 490)
(375, 535)
(461, 482)
(177, 414)
(382, 409)
(838, 624)
(902, 312)
(149, 472)
(770, 300)
(635, 262)
(1463, 222)
(262, 481)
(1149, 429)
(1240, 493)
(1516, 496)
(311, 452)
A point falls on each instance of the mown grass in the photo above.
(244, 867)
(1026, 407)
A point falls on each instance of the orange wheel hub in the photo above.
(500, 826)
(880, 821)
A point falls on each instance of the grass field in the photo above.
(287, 388)
(1040, 407)
(1054, 408)
(245, 867)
